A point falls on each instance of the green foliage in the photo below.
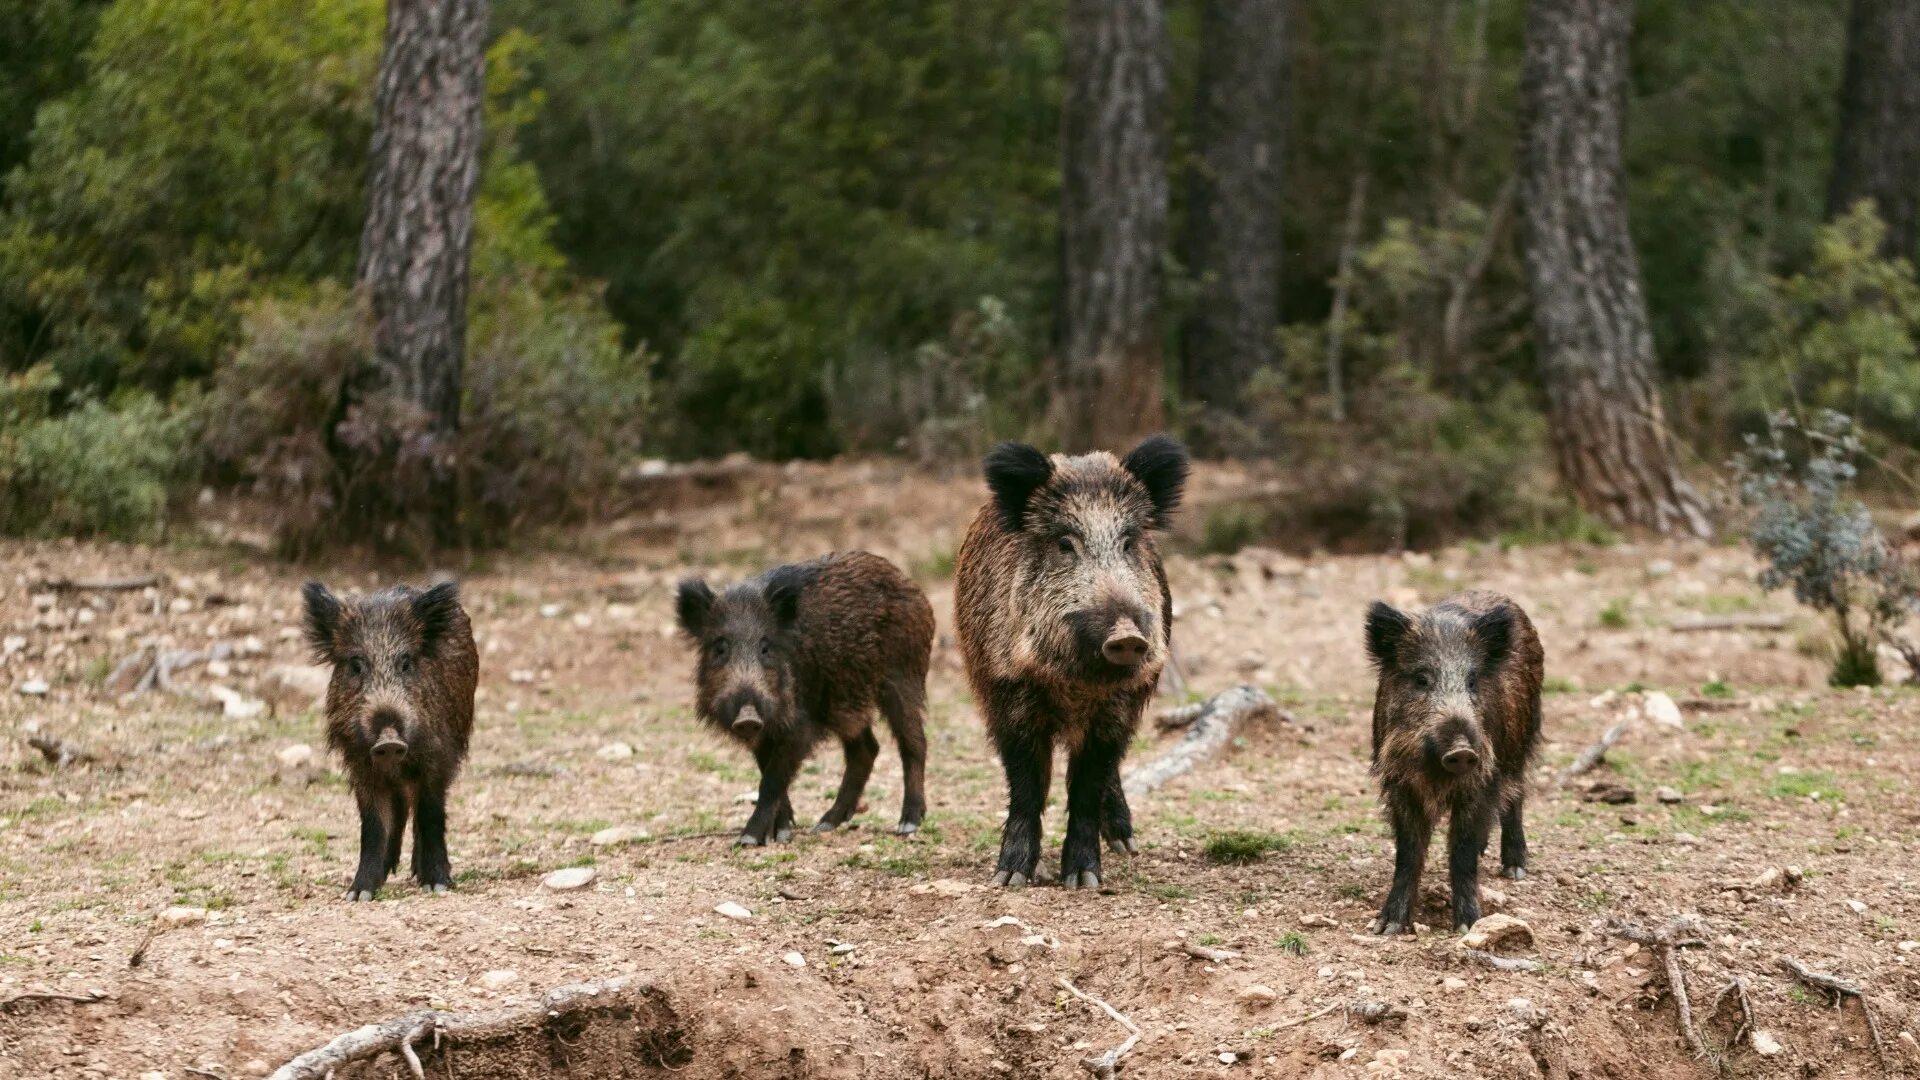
(1292, 942)
(90, 469)
(40, 46)
(1243, 845)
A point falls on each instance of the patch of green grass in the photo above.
(1614, 616)
(1292, 942)
(1558, 684)
(1166, 891)
(935, 565)
(1208, 939)
(1716, 689)
(892, 858)
(1240, 846)
(1800, 785)
(35, 926)
(1595, 899)
(1351, 890)
(1232, 526)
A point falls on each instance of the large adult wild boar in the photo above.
(1065, 621)
(1455, 721)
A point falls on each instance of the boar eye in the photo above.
(1129, 542)
(356, 666)
(766, 649)
(1422, 681)
(720, 646)
(1067, 545)
(404, 665)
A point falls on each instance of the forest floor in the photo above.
(1796, 832)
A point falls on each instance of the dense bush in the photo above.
(1820, 540)
(88, 469)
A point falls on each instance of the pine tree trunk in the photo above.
(1234, 218)
(1113, 217)
(1590, 323)
(1877, 154)
(423, 172)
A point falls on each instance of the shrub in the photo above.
(1820, 540)
(92, 469)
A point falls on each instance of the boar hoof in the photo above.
(355, 896)
(1085, 879)
(907, 828)
(746, 839)
(826, 826)
(439, 888)
(1515, 873)
(1009, 877)
(1385, 928)
(1121, 846)
(783, 834)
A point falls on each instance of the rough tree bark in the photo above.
(422, 174)
(1590, 322)
(1233, 230)
(1113, 215)
(1877, 153)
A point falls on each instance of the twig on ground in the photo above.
(1103, 1066)
(1840, 989)
(398, 1034)
(1738, 988)
(1202, 952)
(1680, 932)
(1761, 621)
(1595, 754)
(91, 997)
(1310, 1017)
(126, 584)
(1502, 963)
(139, 953)
(1209, 731)
(61, 753)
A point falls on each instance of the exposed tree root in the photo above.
(1202, 952)
(401, 1033)
(91, 997)
(1666, 942)
(1211, 725)
(1738, 988)
(1501, 963)
(1103, 1065)
(61, 753)
(1593, 755)
(128, 584)
(1841, 989)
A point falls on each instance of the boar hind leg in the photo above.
(1467, 832)
(904, 704)
(1412, 831)
(1028, 760)
(377, 824)
(1089, 773)
(1513, 839)
(778, 764)
(431, 866)
(1116, 818)
(862, 750)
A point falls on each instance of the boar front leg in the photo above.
(377, 826)
(431, 867)
(1467, 833)
(1026, 753)
(778, 764)
(1116, 818)
(1089, 773)
(1412, 831)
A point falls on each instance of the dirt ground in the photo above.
(211, 836)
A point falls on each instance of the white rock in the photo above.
(1659, 568)
(1525, 1011)
(499, 978)
(550, 611)
(11, 644)
(1661, 710)
(235, 705)
(295, 755)
(35, 687)
(1258, 994)
(1856, 907)
(794, 959)
(1452, 983)
(183, 916)
(1764, 1043)
(1686, 839)
(179, 605)
(520, 675)
(1909, 946)
(614, 751)
(732, 911)
(1498, 932)
(153, 1075)
(842, 948)
(618, 834)
(1603, 699)
(573, 877)
(1323, 921)
(1669, 795)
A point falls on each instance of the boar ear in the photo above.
(1494, 628)
(1014, 472)
(692, 604)
(1387, 627)
(1160, 464)
(436, 609)
(784, 586)
(323, 620)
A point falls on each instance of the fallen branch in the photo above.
(1841, 990)
(1680, 932)
(1764, 621)
(1103, 1066)
(1502, 963)
(1209, 731)
(59, 752)
(1738, 988)
(127, 584)
(91, 997)
(1202, 952)
(399, 1034)
(1310, 1017)
(1595, 754)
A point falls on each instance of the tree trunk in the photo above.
(1877, 154)
(1590, 322)
(1234, 219)
(424, 169)
(1113, 215)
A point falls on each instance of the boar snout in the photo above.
(1460, 757)
(747, 723)
(1125, 644)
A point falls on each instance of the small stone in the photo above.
(842, 948)
(733, 911)
(1909, 946)
(618, 834)
(1661, 710)
(1766, 879)
(1659, 568)
(295, 755)
(520, 675)
(1323, 921)
(1606, 791)
(1453, 983)
(1856, 907)
(1686, 838)
(183, 916)
(573, 877)
(1258, 994)
(499, 978)
(1525, 1011)
(1764, 1043)
(35, 688)
(550, 611)
(153, 1075)
(235, 705)
(1228, 1057)
(1669, 795)
(794, 959)
(614, 751)
(1497, 932)
(255, 1067)
(179, 605)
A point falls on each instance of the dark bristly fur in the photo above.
(1455, 722)
(814, 648)
(399, 714)
(1053, 572)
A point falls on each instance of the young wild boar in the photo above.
(810, 649)
(1455, 721)
(399, 713)
(1065, 621)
